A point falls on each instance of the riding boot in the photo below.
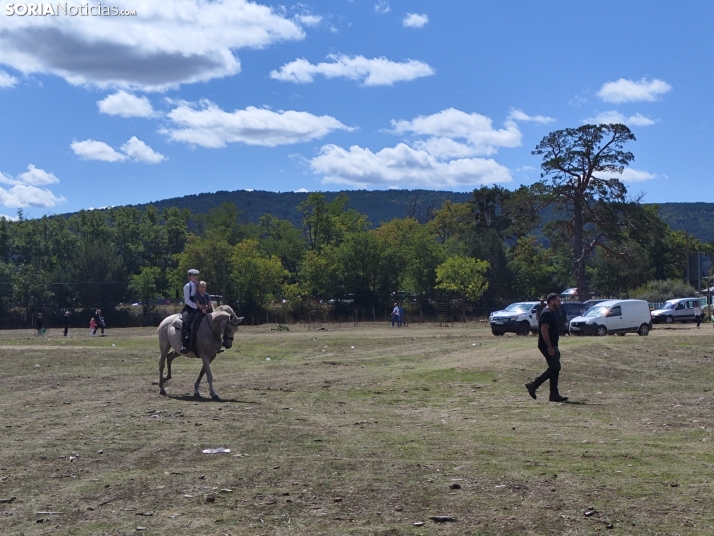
(185, 338)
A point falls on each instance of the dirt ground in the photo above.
(358, 430)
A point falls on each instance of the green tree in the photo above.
(578, 164)
(143, 286)
(257, 277)
(211, 255)
(464, 277)
(30, 289)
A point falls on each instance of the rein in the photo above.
(217, 335)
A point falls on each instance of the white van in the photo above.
(678, 310)
(614, 316)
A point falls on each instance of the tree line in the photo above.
(492, 249)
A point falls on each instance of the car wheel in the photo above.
(621, 334)
(497, 333)
(644, 330)
(524, 329)
(601, 331)
(669, 320)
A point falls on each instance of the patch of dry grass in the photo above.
(330, 439)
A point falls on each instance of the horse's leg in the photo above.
(162, 360)
(196, 392)
(209, 377)
(169, 360)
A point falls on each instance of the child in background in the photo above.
(92, 327)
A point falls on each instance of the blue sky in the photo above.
(193, 96)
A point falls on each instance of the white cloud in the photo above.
(636, 175)
(125, 105)
(415, 20)
(6, 80)
(32, 177)
(168, 43)
(25, 191)
(403, 166)
(209, 126)
(613, 116)
(519, 115)
(8, 218)
(446, 148)
(134, 149)
(373, 72)
(301, 191)
(624, 90)
(381, 7)
(96, 150)
(138, 151)
(309, 20)
(475, 128)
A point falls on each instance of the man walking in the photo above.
(65, 323)
(548, 334)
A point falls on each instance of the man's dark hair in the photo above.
(551, 297)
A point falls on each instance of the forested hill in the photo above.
(379, 205)
(384, 205)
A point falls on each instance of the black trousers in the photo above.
(188, 314)
(551, 373)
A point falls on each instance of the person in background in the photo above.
(39, 325)
(92, 327)
(65, 323)
(401, 315)
(540, 308)
(98, 322)
(395, 315)
(697, 313)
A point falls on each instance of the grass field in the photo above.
(358, 430)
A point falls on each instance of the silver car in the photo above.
(679, 310)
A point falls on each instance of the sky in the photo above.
(102, 107)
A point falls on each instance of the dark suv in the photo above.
(568, 311)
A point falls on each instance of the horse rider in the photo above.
(189, 309)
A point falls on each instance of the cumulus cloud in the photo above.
(96, 150)
(624, 90)
(309, 20)
(636, 175)
(25, 191)
(475, 128)
(125, 105)
(415, 20)
(33, 177)
(613, 116)
(519, 115)
(209, 126)
(403, 166)
(138, 151)
(443, 155)
(134, 149)
(372, 72)
(167, 44)
(6, 80)
(381, 7)
(301, 191)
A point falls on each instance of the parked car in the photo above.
(614, 316)
(593, 303)
(568, 311)
(516, 318)
(678, 310)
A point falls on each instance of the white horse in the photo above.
(215, 331)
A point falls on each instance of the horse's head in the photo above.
(231, 327)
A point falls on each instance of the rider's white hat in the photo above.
(193, 271)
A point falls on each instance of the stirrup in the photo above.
(184, 349)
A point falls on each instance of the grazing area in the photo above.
(358, 430)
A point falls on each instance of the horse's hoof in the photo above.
(197, 396)
(162, 392)
(215, 397)
(167, 378)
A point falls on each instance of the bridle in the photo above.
(218, 335)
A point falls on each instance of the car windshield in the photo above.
(596, 311)
(518, 307)
(669, 305)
